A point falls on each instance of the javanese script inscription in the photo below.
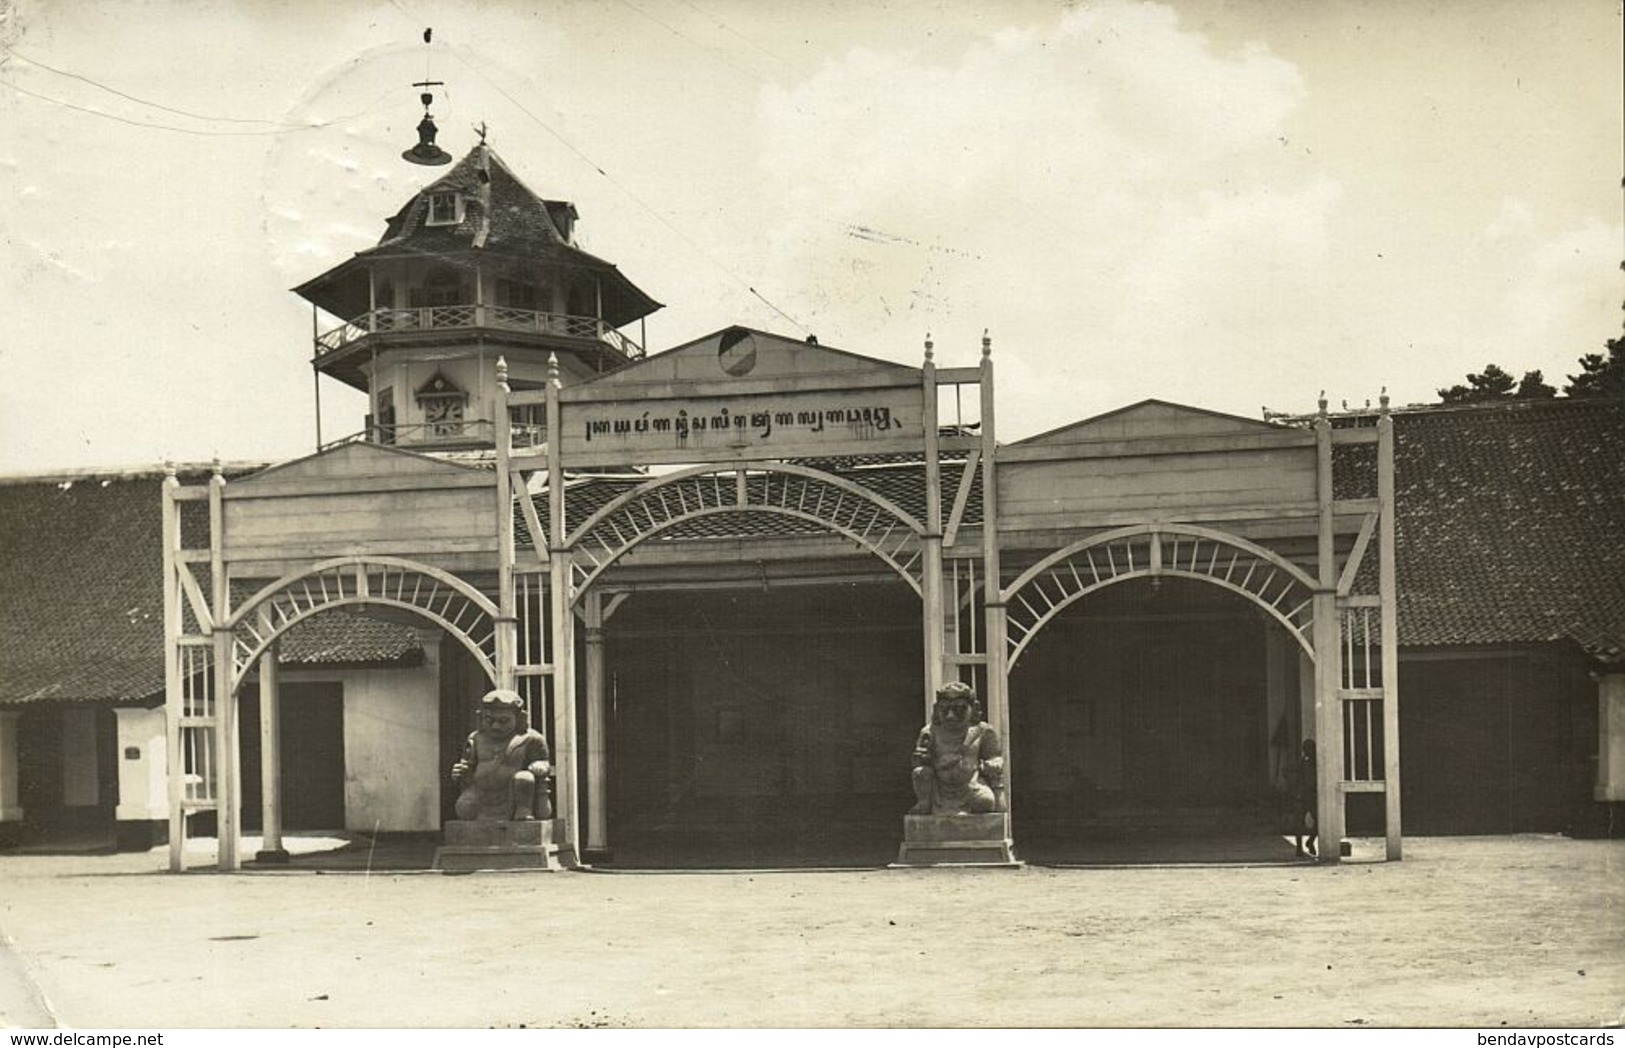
(760, 425)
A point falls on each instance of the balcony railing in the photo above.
(462, 318)
(428, 436)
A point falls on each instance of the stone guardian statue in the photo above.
(958, 760)
(506, 765)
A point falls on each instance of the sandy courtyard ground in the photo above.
(1520, 931)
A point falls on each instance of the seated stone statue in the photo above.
(958, 760)
(506, 764)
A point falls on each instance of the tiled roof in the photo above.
(503, 216)
(1511, 524)
(81, 596)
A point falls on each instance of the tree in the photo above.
(1490, 384)
(1533, 387)
(1600, 376)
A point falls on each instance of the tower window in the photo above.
(516, 294)
(386, 415)
(445, 209)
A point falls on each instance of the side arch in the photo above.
(868, 518)
(1269, 580)
(360, 582)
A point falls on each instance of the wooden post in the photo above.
(1328, 667)
(1328, 727)
(316, 372)
(228, 797)
(562, 615)
(11, 806)
(597, 716)
(174, 697)
(998, 655)
(932, 616)
(271, 849)
(1388, 590)
(507, 623)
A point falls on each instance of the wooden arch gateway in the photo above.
(598, 485)
(466, 614)
(742, 422)
(871, 521)
(1278, 586)
(1297, 518)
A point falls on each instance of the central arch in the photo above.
(872, 521)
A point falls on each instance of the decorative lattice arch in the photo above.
(867, 518)
(360, 582)
(1277, 585)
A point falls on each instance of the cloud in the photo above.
(1106, 190)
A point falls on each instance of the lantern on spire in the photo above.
(426, 152)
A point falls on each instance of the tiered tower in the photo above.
(474, 268)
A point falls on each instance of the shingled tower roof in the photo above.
(501, 216)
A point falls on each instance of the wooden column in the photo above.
(1328, 727)
(11, 804)
(174, 696)
(563, 626)
(507, 623)
(932, 616)
(316, 372)
(271, 849)
(1328, 667)
(1387, 589)
(998, 655)
(597, 719)
(228, 795)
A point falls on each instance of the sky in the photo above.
(1233, 204)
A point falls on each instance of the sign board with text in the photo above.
(742, 395)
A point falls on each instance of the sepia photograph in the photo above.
(906, 517)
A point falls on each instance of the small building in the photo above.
(83, 740)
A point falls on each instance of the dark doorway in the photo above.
(67, 776)
(312, 740)
(1141, 726)
(761, 728)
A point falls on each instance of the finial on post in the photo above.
(169, 469)
(987, 344)
(929, 346)
(1322, 411)
(1382, 401)
(219, 470)
(502, 374)
(553, 368)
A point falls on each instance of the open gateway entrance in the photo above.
(1151, 726)
(762, 727)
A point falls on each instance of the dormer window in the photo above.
(445, 209)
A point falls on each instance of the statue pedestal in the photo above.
(957, 840)
(492, 845)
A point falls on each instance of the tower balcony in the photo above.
(391, 327)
